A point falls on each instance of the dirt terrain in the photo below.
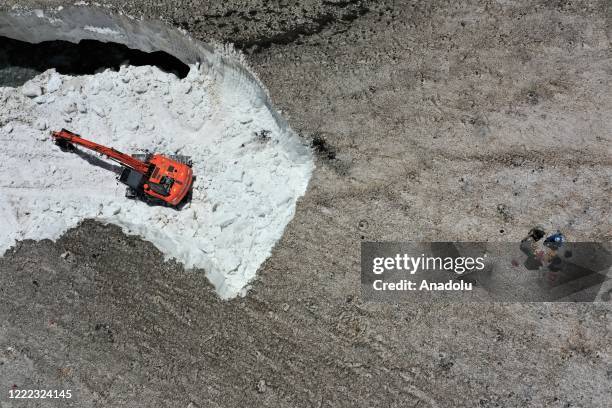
(434, 120)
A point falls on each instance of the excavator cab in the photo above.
(169, 180)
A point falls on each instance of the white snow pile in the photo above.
(246, 185)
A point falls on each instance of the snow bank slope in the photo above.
(246, 187)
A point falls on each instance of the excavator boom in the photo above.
(68, 137)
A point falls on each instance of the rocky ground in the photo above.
(432, 121)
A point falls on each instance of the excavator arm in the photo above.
(64, 137)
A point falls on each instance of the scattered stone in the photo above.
(532, 97)
(104, 332)
(446, 362)
(363, 225)
(263, 135)
(320, 145)
(504, 211)
(261, 386)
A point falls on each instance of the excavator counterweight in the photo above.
(155, 178)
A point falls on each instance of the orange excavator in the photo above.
(153, 178)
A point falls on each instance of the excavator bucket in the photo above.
(65, 145)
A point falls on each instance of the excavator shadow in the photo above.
(88, 157)
(96, 161)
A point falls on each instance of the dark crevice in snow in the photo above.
(21, 61)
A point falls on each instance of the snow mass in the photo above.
(246, 185)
